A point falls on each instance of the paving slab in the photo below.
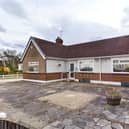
(88, 107)
(69, 99)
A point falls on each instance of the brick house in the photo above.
(102, 61)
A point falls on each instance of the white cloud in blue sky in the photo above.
(80, 21)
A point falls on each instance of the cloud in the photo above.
(19, 46)
(13, 7)
(2, 29)
(80, 21)
(125, 19)
(10, 45)
(76, 31)
(4, 44)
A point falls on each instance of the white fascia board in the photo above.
(82, 58)
(36, 46)
(56, 58)
(68, 59)
(24, 53)
(113, 56)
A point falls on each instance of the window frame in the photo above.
(32, 65)
(86, 60)
(119, 63)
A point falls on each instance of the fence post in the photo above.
(3, 76)
(17, 75)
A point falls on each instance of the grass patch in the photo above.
(113, 93)
(45, 101)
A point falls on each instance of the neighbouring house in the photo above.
(102, 61)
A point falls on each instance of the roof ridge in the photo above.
(104, 47)
(99, 40)
(42, 39)
(88, 42)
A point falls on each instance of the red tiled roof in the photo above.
(51, 49)
(105, 47)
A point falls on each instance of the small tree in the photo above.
(11, 60)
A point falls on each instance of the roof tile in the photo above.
(105, 47)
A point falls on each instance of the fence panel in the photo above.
(11, 76)
(10, 125)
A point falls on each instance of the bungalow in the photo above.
(102, 61)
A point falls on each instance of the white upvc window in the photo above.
(33, 67)
(86, 65)
(121, 65)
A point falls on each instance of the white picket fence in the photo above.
(11, 76)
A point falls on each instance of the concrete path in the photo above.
(9, 80)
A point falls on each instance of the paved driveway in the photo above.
(20, 100)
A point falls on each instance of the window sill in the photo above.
(86, 71)
(32, 72)
(121, 72)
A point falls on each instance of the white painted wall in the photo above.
(53, 66)
(105, 65)
(96, 65)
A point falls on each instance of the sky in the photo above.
(79, 20)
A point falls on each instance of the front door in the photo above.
(71, 70)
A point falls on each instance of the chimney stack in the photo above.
(59, 41)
